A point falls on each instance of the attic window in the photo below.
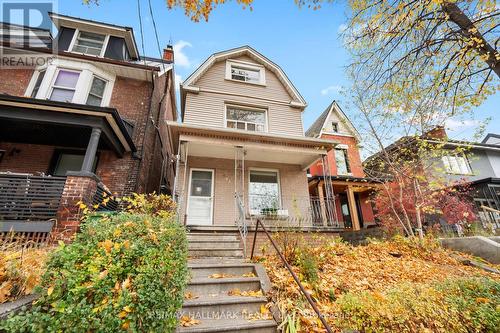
(89, 43)
(245, 72)
(335, 127)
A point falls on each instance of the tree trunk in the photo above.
(458, 17)
(419, 224)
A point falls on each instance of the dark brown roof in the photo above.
(315, 129)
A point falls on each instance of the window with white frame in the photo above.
(244, 118)
(89, 43)
(64, 86)
(96, 92)
(72, 82)
(342, 161)
(457, 164)
(264, 191)
(245, 72)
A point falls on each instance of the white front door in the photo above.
(200, 201)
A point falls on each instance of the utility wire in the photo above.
(142, 32)
(156, 34)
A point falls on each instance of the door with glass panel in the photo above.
(200, 201)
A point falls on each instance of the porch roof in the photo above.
(258, 146)
(362, 183)
(64, 123)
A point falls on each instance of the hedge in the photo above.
(124, 272)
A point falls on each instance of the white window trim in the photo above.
(250, 108)
(87, 72)
(281, 211)
(451, 172)
(54, 78)
(246, 65)
(75, 37)
(346, 156)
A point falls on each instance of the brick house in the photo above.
(243, 152)
(88, 123)
(340, 184)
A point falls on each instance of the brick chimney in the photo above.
(437, 132)
(168, 53)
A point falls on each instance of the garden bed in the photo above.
(399, 285)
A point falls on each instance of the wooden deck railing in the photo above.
(29, 203)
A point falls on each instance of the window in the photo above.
(245, 72)
(457, 164)
(335, 127)
(63, 88)
(65, 161)
(342, 162)
(246, 119)
(38, 82)
(96, 91)
(89, 43)
(264, 192)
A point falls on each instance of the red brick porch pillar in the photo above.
(79, 186)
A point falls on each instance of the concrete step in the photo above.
(203, 237)
(222, 306)
(214, 244)
(216, 252)
(209, 325)
(205, 270)
(208, 286)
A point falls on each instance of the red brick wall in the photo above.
(14, 81)
(352, 154)
(25, 158)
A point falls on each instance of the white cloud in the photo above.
(341, 28)
(454, 125)
(335, 89)
(181, 59)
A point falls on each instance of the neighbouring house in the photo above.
(471, 165)
(241, 143)
(87, 124)
(339, 188)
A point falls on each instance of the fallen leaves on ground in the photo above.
(249, 274)
(187, 321)
(221, 276)
(190, 295)
(248, 293)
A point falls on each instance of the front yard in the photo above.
(399, 285)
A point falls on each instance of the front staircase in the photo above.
(225, 293)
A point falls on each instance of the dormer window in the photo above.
(89, 43)
(245, 72)
(244, 118)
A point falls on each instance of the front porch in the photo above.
(49, 156)
(226, 175)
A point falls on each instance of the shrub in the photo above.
(123, 272)
(308, 267)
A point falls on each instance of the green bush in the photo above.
(123, 272)
(468, 305)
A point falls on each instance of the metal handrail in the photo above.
(241, 222)
(295, 277)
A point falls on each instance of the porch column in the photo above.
(88, 160)
(321, 196)
(352, 208)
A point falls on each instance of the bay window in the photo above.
(96, 91)
(247, 119)
(264, 192)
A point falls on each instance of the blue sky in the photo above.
(303, 42)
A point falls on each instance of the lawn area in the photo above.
(398, 285)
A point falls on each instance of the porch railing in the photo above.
(29, 203)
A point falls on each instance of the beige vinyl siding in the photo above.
(207, 108)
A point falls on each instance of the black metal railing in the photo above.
(27, 202)
(104, 200)
(289, 268)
